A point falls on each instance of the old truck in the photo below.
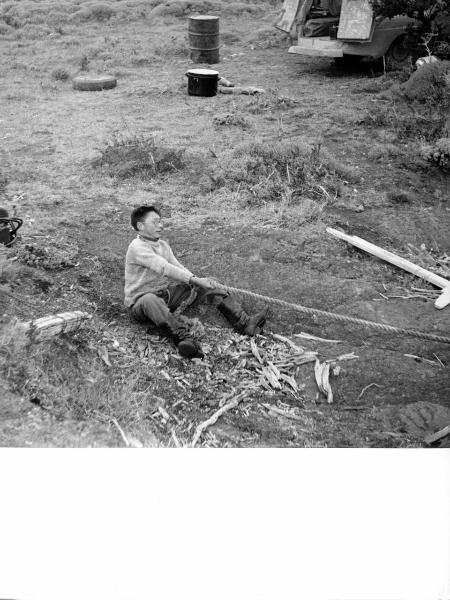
(345, 30)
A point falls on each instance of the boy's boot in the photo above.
(180, 335)
(239, 319)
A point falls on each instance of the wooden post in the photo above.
(398, 261)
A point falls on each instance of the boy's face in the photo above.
(151, 226)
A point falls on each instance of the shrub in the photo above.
(96, 11)
(60, 74)
(48, 254)
(269, 102)
(5, 29)
(228, 119)
(401, 197)
(428, 84)
(417, 108)
(280, 171)
(438, 153)
(127, 156)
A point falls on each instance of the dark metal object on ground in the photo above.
(8, 228)
(204, 39)
(202, 82)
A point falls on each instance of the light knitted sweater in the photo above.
(148, 268)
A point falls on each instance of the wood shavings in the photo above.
(215, 416)
(322, 374)
(366, 388)
(288, 415)
(102, 351)
(281, 338)
(163, 412)
(309, 336)
(176, 441)
(422, 359)
(255, 351)
(348, 356)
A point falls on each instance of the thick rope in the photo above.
(338, 317)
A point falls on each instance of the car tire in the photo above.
(94, 84)
(398, 55)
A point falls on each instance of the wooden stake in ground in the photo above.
(398, 261)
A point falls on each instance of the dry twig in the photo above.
(214, 417)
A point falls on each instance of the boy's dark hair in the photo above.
(139, 214)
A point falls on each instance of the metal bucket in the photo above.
(204, 39)
(202, 82)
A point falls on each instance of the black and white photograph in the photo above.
(225, 245)
(225, 224)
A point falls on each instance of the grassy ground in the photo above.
(247, 185)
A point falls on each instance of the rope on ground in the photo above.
(338, 317)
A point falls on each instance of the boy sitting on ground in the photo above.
(156, 284)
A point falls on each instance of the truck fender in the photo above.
(385, 32)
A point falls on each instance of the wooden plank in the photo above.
(434, 437)
(398, 261)
(356, 20)
(288, 14)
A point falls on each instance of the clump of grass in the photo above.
(68, 377)
(401, 197)
(94, 11)
(383, 150)
(182, 8)
(60, 74)
(284, 171)
(9, 270)
(438, 153)
(233, 118)
(127, 156)
(269, 37)
(229, 37)
(30, 31)
(269, 102)
(426, 85)
(4, 180)
(5, 29)
(417, 109)
(172, 45)
(52, 255)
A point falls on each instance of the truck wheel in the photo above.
(398, 54)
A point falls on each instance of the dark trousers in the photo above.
(158, 306)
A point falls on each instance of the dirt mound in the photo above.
(429, 83)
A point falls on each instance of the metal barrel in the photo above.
(204, 39)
